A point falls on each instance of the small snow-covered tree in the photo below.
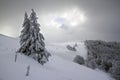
(37, 43)
(25, 36)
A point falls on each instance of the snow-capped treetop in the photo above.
(26, 15)
(33, 17)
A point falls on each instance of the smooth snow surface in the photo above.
(59, 67)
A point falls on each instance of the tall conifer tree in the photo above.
(37, 43)
(25, 36)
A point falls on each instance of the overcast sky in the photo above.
(64, 20)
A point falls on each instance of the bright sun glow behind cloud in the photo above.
(71, 18)
(74, 17)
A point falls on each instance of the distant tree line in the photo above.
(105, 56)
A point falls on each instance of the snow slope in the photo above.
(59, 67)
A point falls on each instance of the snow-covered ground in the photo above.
(59, 67)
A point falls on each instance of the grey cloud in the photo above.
(103, 17)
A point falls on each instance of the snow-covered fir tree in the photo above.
(25, 36)
(32, 41)
(37, 43)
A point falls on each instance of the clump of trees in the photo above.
(31, 40)
(72, 48)
(105, 56)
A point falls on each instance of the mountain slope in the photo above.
(59, 67)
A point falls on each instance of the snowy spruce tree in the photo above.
(25, 41)
(34, 41)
